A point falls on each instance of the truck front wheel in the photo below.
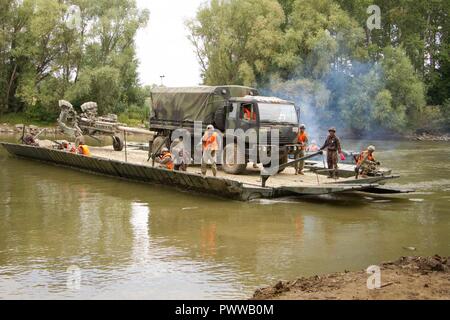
(231, 155)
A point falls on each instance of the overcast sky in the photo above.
(163, 47)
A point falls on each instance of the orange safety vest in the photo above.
(363, 154)
(248, 114)
(211, 142)
(84, 150)
(302, 138)
(169, 165)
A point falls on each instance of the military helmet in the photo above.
(371, 148)
(332, 129)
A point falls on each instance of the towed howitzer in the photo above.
(90, 124)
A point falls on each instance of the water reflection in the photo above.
(141, 240)
(134, 240)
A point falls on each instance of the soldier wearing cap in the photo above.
(30, 140)
(165, 159)
(210, 144)
(333, 146)
(366, 164)
(302, 140)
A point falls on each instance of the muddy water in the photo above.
(65, 234)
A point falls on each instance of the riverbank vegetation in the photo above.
(75, 50)
(323, 55)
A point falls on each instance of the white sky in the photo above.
(163, 47)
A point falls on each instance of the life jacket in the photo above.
(302, 138)
(248, 115)
(211, 143)
(363, 155)
(169, 165)
(84, 150)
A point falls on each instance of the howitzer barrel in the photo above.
(265, 175)
(136, 130)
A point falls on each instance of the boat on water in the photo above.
(133, 165)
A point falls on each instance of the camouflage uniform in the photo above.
(333, 146)
(180, 155)
(367, 165)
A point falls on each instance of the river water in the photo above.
(71, 235)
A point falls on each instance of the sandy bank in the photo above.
(411, 278)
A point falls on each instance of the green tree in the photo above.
(237, 41)
(322, 37)
(421, 28)
(408, 92)
(45, 58)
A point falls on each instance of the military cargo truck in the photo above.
(226, 107)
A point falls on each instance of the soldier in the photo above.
(333, 146)
(210, 146)
(181, 156)
(165, 159)
(29, 140)
(367, 165)
(84, 150)
(302, 140)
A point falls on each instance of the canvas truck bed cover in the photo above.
(193, 103)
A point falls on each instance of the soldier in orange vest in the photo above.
(302, 140)
(248, 114)
(84, 150)
(210, 145)
(366, 164)
(165, 159)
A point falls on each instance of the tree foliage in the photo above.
(321, 54)
(77, 50)
(237, 41)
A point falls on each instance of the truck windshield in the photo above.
(282, 113)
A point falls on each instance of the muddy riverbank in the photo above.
(412, 278)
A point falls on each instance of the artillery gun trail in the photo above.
(90, 124)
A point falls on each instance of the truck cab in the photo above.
(263, 114)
